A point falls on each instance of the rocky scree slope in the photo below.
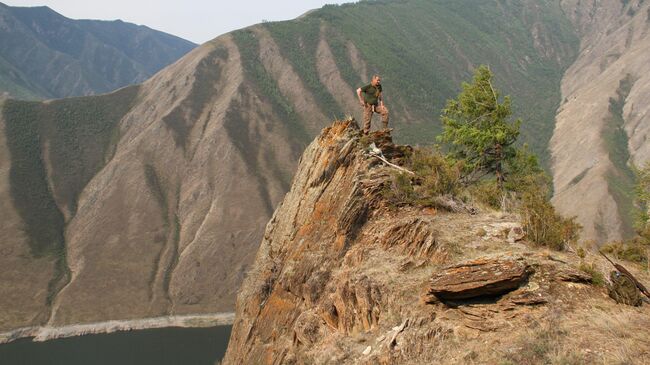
(340, 278)
(45, 55)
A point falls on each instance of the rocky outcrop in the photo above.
(341, 277)
(476, 278)
(354, 307)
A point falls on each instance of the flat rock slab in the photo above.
(476, 278)
(573, 275)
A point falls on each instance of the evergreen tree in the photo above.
(477, 126)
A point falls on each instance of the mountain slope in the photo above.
(157, 206)
(602, 125)
(152, 218)
(46, 55)
(425, 49)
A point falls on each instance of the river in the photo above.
(162, 346)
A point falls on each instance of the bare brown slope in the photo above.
(180, 204)
(165, 214)
(330, 77)
(341, 278)
(288, 81)
(23, 279)
(602, 124)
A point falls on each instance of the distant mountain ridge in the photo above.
(46, 55)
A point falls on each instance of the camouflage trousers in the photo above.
(368, 111)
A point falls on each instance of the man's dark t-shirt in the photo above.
(371, 94)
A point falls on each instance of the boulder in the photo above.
(476, 278)
(515, 234)
(572, 275)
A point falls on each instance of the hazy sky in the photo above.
(194, 20)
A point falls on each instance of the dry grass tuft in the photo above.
(544, 343)
(623, 331)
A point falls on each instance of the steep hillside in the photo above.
(50, 151)
(342, 278)
(152, 200)
(602, 125)
(424, 50)
(143, 202)
(46, 55)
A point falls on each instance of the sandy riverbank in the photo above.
(187, 321)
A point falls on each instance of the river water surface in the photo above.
(164, 346)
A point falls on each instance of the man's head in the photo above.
(376, 80)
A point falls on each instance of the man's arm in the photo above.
(360, 98)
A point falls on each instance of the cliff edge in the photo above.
(342, 277)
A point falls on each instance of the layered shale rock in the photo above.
(342, 277)
(482, 277)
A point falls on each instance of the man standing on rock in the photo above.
(372, 102)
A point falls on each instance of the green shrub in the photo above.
(399, 190)
(438, 175)
(526, 192)
(530, 187)
(634, 250)
(543, 225)
(435, 175)
(494, 170)
(597, 277)
(486, 192)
